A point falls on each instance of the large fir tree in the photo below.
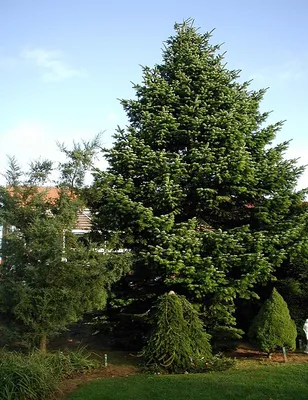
(195, 187)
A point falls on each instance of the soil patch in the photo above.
(71, 384)
(243, 352)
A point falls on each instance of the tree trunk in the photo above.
(43, 344)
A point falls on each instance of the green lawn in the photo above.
(283, 382)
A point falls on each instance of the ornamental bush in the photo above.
(273, 327)
(178, 338)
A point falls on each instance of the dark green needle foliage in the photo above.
(273, 327)
(178, 337)
(195, 187)
(48, 277)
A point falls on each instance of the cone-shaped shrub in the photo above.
(178, 336)
(273, 327)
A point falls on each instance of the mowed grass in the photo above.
(283, 382)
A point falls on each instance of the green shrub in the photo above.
(37, 375)
(81, 360)
(178, 337)
(216, 363)
(273, 327)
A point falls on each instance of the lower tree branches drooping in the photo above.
(178, 339)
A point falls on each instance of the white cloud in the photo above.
(52, 64)
(26, 141)
(293, 70)
(30, 140)
(112, 117)
(300, 153)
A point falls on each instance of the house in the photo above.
(83, 223)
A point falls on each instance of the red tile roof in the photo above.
(83, 222)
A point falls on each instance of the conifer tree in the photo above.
(273, 327)
(178, 337)
(48, 277)
(195, 187)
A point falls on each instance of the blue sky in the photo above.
(64, 64)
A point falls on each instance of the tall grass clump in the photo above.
(36, 376)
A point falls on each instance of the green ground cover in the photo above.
(282, 382)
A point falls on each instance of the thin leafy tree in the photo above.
(49, 277)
